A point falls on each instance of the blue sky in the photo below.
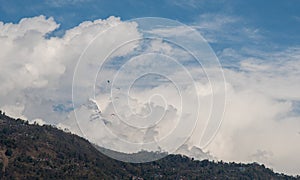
(279, 21)
(257, 43)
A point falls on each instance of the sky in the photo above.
(246, 84)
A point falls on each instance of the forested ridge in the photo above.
(30, 151)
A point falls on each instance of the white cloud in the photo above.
(39, 24)
(260, 123)
(164, 96)
(24, 53)
(37, 71)
(260, 114)
(222, 28)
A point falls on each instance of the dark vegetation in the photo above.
(34, 152)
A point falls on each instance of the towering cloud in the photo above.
(261, 122)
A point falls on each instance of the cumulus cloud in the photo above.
(261, 122)
(37, 71)
(23, 46)
(161, 92)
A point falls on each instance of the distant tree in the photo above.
(5, 130)
(8, 152)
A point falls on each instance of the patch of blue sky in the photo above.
(296, 107)
(63, 106)
(276, 22)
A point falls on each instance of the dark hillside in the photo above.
(34, 152)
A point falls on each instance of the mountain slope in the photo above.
(32, 151)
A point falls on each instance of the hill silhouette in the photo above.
(30, 151)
